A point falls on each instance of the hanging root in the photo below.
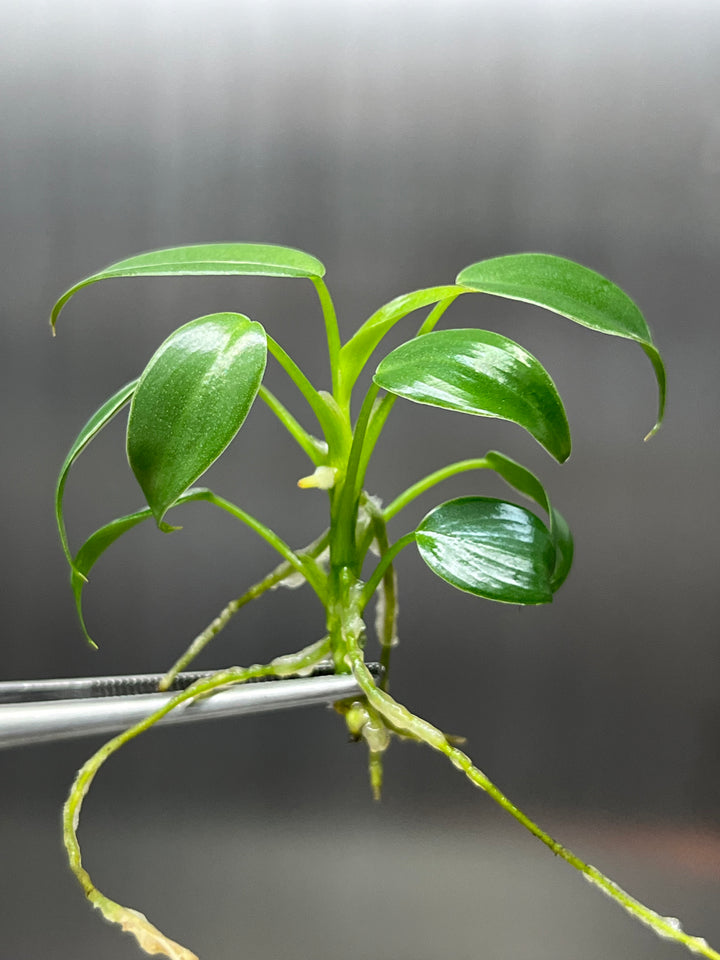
(364, 723)
(149, 938)
(399, 719)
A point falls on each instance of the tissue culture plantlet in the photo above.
(192, 398)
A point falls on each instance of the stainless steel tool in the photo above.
(42, 711)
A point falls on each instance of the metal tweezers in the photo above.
(44, 711)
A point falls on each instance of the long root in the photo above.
(400, 719)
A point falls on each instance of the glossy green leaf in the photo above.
(91, 429)
(483, 373)
(489, 548)
(354, 355)
(525, 482)
(94, 547)
(209, 259)
(191, 400)
(573, 291)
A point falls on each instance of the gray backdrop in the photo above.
(398, 142)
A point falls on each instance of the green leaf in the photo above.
(209, 259)
(191, 400)
(483, 373)
(573, 291)
(489, 548)
(97, 544)
(354, 355)
(525, 482)
(91, 429)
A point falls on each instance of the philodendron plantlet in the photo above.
(194, 395)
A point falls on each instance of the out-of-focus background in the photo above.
(398, 142)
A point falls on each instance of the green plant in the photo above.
(194, 395)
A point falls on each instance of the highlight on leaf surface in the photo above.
(91, 429)
(191, 400)
(94, 547)
(209, 259)
(490, 548)
(482, 373)
(575, 292)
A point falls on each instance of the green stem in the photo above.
(400, 719)
(306, 566)
(342, 548)
(273, 579)
(316, 402)
(385, 560)
(312, 447)
(331, 329)
(357, 461)
(435, 314)
(382, 409)
(403, 499)
(379, 415)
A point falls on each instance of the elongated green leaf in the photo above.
(483, 373)
(489, 548)
(94, 547)
(91, 429)
(573, 291)
(525, 482)
(357, 350)
(191, 400)
(209, 259)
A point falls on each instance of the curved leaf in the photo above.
(575, 292)
(191, 400)
(489, 548)
(91, 429)
(93, 548)
(209, 259)
(483, 373)
(525, 482)
(354, 355)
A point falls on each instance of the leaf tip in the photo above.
(561, 451)
(166, 527)
(652, 433)
(89, 640)
(55, 313)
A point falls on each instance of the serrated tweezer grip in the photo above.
(88, 711)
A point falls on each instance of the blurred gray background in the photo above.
(398, 142)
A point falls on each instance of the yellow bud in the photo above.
(323, 479)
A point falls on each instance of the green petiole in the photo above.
(385, 561)
(331, 330)
(304, 565)
(300, 380)
(273, 579)
(433, 318)
(417, 489)
(315, 449)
